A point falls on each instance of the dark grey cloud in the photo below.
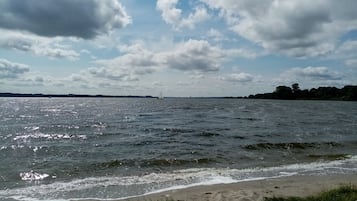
(78, 18)
(11, 70)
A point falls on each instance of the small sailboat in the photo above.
(160, 96)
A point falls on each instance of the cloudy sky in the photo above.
(177, 47)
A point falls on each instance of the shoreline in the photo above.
(257, 190)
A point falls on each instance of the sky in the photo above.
(176, 47)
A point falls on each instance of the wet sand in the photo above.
(301, 186)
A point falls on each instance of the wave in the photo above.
(248, 118)
(208, 134)
(45, 136)
(153, 163)
(16, 148)
(119, 187)
(330, 157)
(291, 145)
(169, 130)
(178, 130)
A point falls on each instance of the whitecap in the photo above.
(32, 176)
(32, 128)
(48, 136)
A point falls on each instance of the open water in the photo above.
(109, 148)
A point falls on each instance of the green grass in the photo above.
(345, 193)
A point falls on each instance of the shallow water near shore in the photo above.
(109, 148)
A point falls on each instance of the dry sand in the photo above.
(301, 186)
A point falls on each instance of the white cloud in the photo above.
(351, 63)
(37, 45)
(135, 61)
(80, 18)
(173, 16)
(215, 35)
(157, 84)
(198, 16)
(298, 28)
(310, 74)
(170, 13)
(239, 77)
(184, 83)
(78, 78)
(197, 76)
(11, 70)
(347, 53)
(111, 73)
(195, 56)
(85, 51)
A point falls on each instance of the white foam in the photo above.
(160, 182)
(32, 128)
(40, 135)
(32, 176)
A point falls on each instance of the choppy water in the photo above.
(60, 149)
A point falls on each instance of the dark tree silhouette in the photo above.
(284, 92)
(348, 93)
(295, 87)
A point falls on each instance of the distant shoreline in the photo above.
(347, 93)
(67, 96)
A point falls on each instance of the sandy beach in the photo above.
(255, 190)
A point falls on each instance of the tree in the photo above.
(295, 87)
(283, 92)
(296, 91)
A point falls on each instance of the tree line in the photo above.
(347, 93)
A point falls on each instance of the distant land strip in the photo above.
(68, 96)
(347, 93)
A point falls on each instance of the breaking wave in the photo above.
(119, 187)
(154, 162)
(292, 145)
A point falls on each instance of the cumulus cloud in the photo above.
(170, 13)
(173, 16)
(37, 45)
(11, 70)
(311, 74)
(239, 77)
(79, 18)
(135, 61)
(195, 55)
(298, 28)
